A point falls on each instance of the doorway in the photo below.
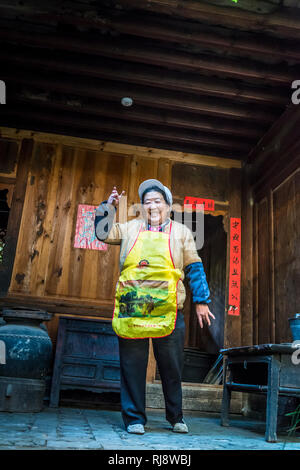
(202, 346)
(4, 214)
(210, 339)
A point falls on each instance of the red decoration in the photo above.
(235, 267)
(85, 229)
(209, 204)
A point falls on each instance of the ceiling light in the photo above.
(126, 101)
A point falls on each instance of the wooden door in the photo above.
(277, 259)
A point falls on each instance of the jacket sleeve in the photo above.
(190, 254)
(197, 281)
(105, 229)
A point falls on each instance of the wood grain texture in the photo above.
(233, 324)
(263, 272)
(247, 279)
(48, 269)
(121, 148)
(276, 259)
(286, 255)
(207, 182)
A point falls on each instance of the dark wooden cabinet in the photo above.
(87, 357)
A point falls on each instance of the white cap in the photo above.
(149, 184)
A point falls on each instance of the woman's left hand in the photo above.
(203, 314)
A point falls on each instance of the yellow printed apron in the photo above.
(146, 293)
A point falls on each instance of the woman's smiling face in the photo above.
(156, 208)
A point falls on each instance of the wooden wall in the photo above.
(277, 259)
(54, 175)
(274, 223)
(48, 270)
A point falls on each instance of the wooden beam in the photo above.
(128, 139)
(179, 31)
(283, 23)
(123, 127)
(176, 60)
(144, 115)
(142, 96)
(59, 305)
(118, 148)
(145, 75)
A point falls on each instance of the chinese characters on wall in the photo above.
(235, 267)
(209, 204)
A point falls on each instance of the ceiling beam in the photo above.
(122, 127)
(145, 75)
(140, 114)
(283, 23)
(249, 71)
(146, 96)
(76, 129)
(181, 32)
(18, 134)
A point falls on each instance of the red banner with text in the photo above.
(235, 267)
(209, 204)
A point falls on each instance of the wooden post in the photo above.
(232, 325)
(247, 260)
(272, 400)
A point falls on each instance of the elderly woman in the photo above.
(155, 254)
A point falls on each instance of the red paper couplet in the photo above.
(235, 267)
(209, 204)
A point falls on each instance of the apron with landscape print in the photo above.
(146, 293)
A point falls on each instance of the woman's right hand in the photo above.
(114, 198)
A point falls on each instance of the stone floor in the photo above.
(66, 428)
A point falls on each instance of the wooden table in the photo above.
(264, 368)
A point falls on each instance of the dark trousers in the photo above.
(168, 352)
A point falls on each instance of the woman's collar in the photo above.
(163, 225)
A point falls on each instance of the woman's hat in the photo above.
(149, 184)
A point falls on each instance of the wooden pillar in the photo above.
(232, 326)
(247, 260)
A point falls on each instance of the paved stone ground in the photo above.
(66, 428)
